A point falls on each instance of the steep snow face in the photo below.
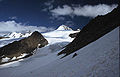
(98, 59)
(63, 27)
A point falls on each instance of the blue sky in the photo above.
(53, 13)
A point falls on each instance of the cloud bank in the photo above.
(66, 10)
(87, 10)
(12, 26)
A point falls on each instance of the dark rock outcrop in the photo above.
(26, 45)
(75, 54)
(3, 37)
(95, 29)
(73, 35)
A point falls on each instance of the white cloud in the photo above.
(87, 10)
(48, 3)
(12, 26)
(93, 11)
(66, 10)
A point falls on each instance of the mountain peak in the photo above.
(63, 27)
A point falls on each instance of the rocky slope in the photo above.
(95, 29)
(22, 47)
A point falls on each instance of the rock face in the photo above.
(26, 45)
(95, 29)
(73, 35)
(3, 37)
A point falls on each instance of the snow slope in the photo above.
(98, 59)
(57, 40)
(58, 36)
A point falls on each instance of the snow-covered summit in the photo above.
(59, 36)
(63, 27)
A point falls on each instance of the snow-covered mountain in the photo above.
(58, 35)
(63, 27)
(61, 31)
(18, 34)
(56, 38)
(24, 47)
(93, 53)
(96, 28)
(98, 59)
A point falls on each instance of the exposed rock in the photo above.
(75, 54)
(73, 35)
(95, 29)
(3, 37)
(26, 45)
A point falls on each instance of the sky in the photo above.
(50, 14)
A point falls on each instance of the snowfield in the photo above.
(57, 39)
(98, 59)
(59, 36)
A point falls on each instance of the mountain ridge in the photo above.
(95, 29)
(23, 46)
